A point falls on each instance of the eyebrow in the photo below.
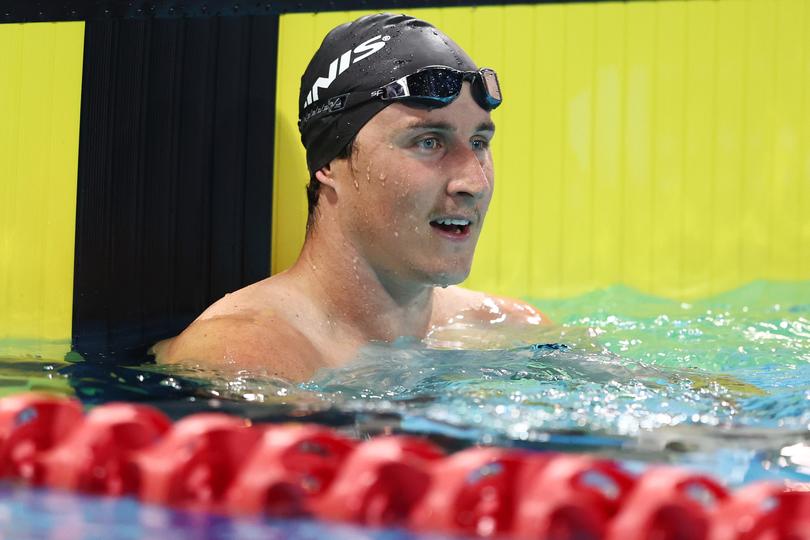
(485, 126)
(445, 126)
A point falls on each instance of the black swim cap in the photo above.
(363, 55)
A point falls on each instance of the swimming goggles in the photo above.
(433, 86)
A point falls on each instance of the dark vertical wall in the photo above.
(175, 174)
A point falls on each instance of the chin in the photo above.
(449, 277)
(440, 271)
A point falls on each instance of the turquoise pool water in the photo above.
(720, 385)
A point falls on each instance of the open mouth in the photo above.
(452, 226)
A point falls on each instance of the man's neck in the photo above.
(358, 298)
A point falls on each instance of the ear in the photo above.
(326, 175)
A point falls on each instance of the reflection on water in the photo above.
(720, 380)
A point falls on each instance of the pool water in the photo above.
(721, 384)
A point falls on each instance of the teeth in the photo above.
(448, 221)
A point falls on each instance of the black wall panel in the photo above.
(175, 174)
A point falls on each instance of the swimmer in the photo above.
(395, 119)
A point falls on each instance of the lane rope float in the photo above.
(224, 464)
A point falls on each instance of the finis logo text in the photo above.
(342, 63)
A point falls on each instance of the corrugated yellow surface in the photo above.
(662, 145)
(40, 97)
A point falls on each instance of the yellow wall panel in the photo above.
(804, 153)
(758, 133)
(726, 237)
(785, 176)
(663, 145)
(576, 202)
(636, 253)
(609, 106)
(699, 102)
(667, 145)
(547, 123)
(513, 194)
(40, 95)
(10, 63)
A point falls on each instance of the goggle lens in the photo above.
(442, 85)
(493, 89)
(436, 83)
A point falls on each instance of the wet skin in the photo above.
(396, 228)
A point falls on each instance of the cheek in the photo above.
(395, 195)
(374, 206)
(391, 197)
(399, 208)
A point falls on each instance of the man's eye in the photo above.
(428, 143)
(480, 144)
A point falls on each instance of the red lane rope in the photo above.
(224, 464)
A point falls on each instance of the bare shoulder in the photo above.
(250, 299)
(244, 340)
(486, 307)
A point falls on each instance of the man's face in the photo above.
(414, 194)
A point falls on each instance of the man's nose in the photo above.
(467, 174)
